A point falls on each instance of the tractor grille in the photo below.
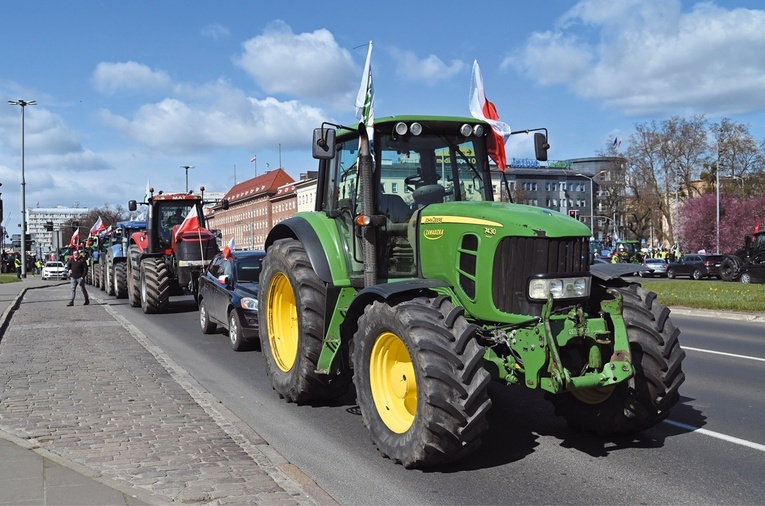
(519, 258)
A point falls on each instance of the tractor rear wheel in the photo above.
(291, 316)
(730, 268)
(134, 276)
(646, 398)
(120, 280)
(420, 381)
(155, 286)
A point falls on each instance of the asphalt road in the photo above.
(712, 451)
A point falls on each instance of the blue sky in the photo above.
(130, 91)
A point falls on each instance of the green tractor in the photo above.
(412, 282)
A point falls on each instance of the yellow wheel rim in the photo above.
(594, 395)
(282, 322)
(392, 381)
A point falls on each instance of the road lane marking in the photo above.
(723, 353)
(724, 437)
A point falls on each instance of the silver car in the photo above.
(658, 267)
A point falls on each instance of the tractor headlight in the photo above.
(478, 130)
(249, 303)
(560, 288)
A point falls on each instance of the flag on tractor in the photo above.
(97, 226)
(365, 110)
(75, 238)
(190, 223)
(481, 108)
(229, 249)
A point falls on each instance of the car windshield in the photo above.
(248, 269)
(54, 264)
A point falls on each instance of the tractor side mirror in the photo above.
(132, 205)
(224, 204)
(323, 146)
(541, 146)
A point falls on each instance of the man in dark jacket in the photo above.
(77, 268)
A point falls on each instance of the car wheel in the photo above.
(235, 333)
(746, 278)
(697, 274)
(671, 273)
(208, 327)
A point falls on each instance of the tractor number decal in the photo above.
(460, 220)
(433, 234)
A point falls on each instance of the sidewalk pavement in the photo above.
(91, 412)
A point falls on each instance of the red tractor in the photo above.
(167, 258)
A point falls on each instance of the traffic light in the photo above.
(573, 213)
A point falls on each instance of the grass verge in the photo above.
(709, 294)
(9, 278)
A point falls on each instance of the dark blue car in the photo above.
(228, 292)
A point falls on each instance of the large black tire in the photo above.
(730, 268)
(420, 381)
(647, 398)
(120, 280)
(207, 325)
(671, 273)
(291, 305)
(109, 279)
(155, 286)
(134, 276)
(697, 275)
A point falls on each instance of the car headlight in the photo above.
(560, 288)
(249, 303)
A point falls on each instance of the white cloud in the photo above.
(109, 78)
(649, 56)
(218, 116)
(215, 31)
(306, 65)
(429, 71)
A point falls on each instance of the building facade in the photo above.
(37, 218)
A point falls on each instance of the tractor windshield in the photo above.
(170, 214)
(429, 169)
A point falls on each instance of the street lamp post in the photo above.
(187, 167)
(592, 199)
(717, 189)
(23, 104)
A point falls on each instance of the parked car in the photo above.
(658, 267)
(228, 292)
(54, 270)
(696, 266)
(752, 273)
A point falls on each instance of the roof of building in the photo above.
(268, 184)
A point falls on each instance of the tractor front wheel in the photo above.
(420, 381)
(291, 305)
(155, 286)
(120, 280)
(646, 398)
(109, 275)
(134, 276)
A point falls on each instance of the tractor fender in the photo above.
(140, 239)
(388, 292)
(300, 229)
(609, 272)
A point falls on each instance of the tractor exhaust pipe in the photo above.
(369, 234)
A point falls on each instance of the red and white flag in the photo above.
(75, 238)
(481, 108)
(190, 223)
(254, 159)
(97, 226)
(229, 249)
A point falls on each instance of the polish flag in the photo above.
(481, 108)
(97, 226)
(229, 249)
(75, 238)
(190, 223)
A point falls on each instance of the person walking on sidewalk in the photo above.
(77, 268)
